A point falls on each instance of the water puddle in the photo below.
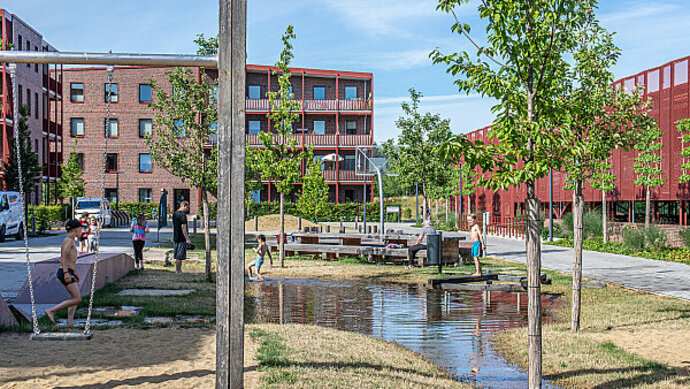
(81, 323)
(451, 328)
(179, 319)
(124, 311)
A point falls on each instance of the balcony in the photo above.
(318, 140)
(357, 105)
(343, 175)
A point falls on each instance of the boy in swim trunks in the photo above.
(260, 251)
(66, 273)
(477, 243)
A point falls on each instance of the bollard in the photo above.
(357, 223)
(33, 225)
(368, 229)
(256, 223)
(376, 229)
(359, 229)
(299, 223)
(328, 228)
(341, 229)
(195, 220)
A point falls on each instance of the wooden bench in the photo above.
(333, 251)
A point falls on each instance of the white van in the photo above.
(11, 216)
(98, 208)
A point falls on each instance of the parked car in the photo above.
(98, 208)
(11, 216)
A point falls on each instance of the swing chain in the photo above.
(87, 328)
(20, 178)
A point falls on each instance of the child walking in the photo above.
(139, 229)
(477, 243)
(91, 239)
(260, 251)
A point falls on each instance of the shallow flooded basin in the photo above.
(452, 329)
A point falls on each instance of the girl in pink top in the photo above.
(139, 229)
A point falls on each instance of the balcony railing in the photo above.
(319, 140)
(343, 175)
(315, 105)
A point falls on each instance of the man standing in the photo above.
(421, 242)
(180, 235)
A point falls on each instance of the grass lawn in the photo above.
(628, 339)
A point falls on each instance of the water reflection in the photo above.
(452, 329)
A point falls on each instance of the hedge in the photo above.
(150, 210)
(48, 215)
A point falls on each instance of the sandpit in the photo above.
(272, 223)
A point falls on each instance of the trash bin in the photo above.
(433, 249)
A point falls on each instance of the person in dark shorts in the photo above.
(66, 273)
(421, 242)
(139, 229)
(180, 235)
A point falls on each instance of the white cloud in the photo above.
(397, 100)
(383, 17)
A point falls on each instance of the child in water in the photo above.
(477, 243)
(260, 250)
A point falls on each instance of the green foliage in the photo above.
(647, 164)
(280, 160)
(651, 238)
(314, 199)
(673, 254)
(685, 236)
(592, 224)
(47, 215)
(148, 209)
(348, 211)
(633, 238)
(31, 169)
(656, 238)
(72, 184)
(683, 127)
(407, 213)
(415, 155)
(252, 173)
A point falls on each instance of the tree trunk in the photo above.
(447, 205)
(207, 233)
(578, 214)
(604, 215)
(436, 208)
(282, 230)
(647, 207)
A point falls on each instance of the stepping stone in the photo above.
(156, 292)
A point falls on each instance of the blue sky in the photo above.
(390, 38)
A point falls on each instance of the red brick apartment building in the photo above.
(336, 111)
(39, 88)
(667, 86)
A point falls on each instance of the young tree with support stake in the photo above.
(72, 184)
(604, 180)
(597, 120)
(182, 142)
(313, 201)
(523, 66)
(647, 165)
(280, 160)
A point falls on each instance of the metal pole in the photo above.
(550, 205)
(117, 191)
(381, 222)
(364, 202)
(460, 199)
(416, 202)
(206, 61)
(230, 235)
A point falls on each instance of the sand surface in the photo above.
(117, 358)
(272, 223)
(670, 346)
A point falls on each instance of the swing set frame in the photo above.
(231, 63)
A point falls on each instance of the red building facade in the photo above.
(39, 89)
(336, 120)
(667, 87)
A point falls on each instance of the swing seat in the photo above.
(61, 336)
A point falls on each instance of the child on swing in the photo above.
(66, 273)
(260, 250)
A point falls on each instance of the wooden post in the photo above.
(533, 292)
(578, 205)
(231, 128)
(256, 223)
(299, 223)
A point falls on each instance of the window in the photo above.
(349, 162)
(111, 195)
(350, 195)
(291, 96)
(179, 128)
(76, 127)
(80, 161)
(28, 48)
(180, 195)
(144, 195)
(145, 128)
(319, 158)
(145, 95)
(351, 128)
(319, 127)
(319, 92)
(28, 102)
(76, 91)
(111, 131)
(19, 42)
(113, 93)
(254, 126)
(111, 163)
(36, 145)
(350, 92)
(36, 65)
(254, 91)
(36, 105)
(19, 95)
(144, 163)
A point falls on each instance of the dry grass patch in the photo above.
(272, 223)
(299, 356)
